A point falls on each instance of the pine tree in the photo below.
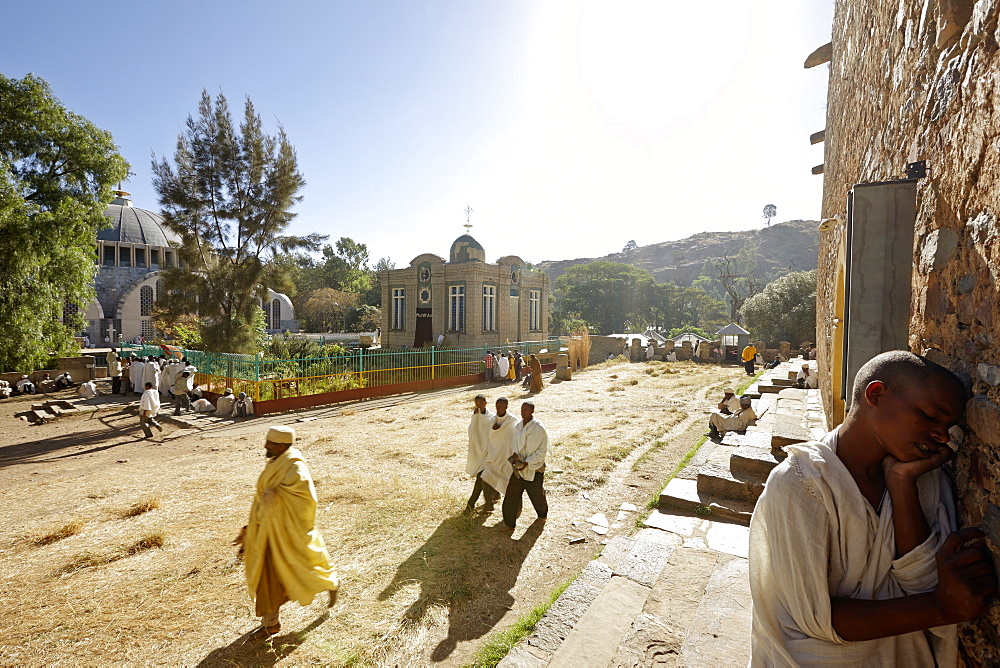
(229, 196)
(56, 174)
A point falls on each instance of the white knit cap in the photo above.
(281, 434)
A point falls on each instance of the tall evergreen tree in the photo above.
(229, 196)
(56, 174)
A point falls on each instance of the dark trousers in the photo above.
(181, 401)
(749, 367)
(145, 421)
(490, 495)
(514, 496)
(116, 384)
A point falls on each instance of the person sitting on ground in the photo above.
(87, 390)
(64, 380)
(812, 352)
(852, 557)
(650, 350)
(202, 405)
(224, 406)
(243, 406)
(719, 423)
(730, 402)
(806, 378)
(25, 386)
(773, 364)
(672, 356)
(46, 384)
(5, 390)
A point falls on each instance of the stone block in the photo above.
(989, 373)
(648, 556)
(752, 462)
(758, 439)
(562, 616)
(792, 393)
(788, 429)
(983, 417)
(938, 248)
(717, 480)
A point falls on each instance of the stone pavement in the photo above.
(673, 594)
(676, 592)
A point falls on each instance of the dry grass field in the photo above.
(117, 549)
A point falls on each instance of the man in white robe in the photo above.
(499, 447)
(719, 423)
(135, 373)
(531, 443)
(149, 407)
(151, 374)
(475, 461)
(224, 406)
(503, 366)
(852, 536)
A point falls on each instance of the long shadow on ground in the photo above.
(113, 425)
(256, 649)
(468, 568)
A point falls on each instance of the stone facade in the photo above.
(467, 301)
(909, 81)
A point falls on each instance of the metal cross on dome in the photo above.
(468, 214)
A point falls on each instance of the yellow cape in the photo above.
(282, 519)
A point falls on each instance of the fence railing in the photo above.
(264, 379)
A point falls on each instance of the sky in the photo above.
(568, 126)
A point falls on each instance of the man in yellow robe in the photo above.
(284, 552)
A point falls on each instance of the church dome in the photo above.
(467, 249)
(136, 226)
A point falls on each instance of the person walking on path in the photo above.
(479, 427)
(499, 448)
(181, 398)
(149, 406)
(536, 374)
(531, 443)
(749, 353)
(284, 553)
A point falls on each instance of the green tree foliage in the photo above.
(56, 174)
(613, 297)
(342, 267)
(785, 310)
(326, 309)
(229, 194)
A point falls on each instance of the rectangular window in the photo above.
(534, 309)
(109, 256)
(124, 256)
(398, 308)
(140, 257)
(154, 258)
(168, 259)
(489, 308)
(456, 308)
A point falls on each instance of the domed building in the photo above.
(466, 302)
(131, 254)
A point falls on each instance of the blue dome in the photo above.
(136, 226)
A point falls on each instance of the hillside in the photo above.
(791, 245)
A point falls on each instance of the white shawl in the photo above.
(478, 427)
(814, 536)
(500, 446)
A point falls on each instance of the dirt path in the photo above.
(422, 582)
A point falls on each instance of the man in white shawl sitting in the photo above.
(475, 461)
(285, 556)
(852, 556)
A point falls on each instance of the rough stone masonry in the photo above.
(917, 80)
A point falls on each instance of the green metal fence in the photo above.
(264, 379)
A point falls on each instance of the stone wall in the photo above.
(918, 80)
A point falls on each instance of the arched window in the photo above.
(276, 314)
(267, 314)
(145, 300)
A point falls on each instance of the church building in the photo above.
(464, 302)
(130, 256)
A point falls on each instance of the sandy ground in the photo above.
(422, 583)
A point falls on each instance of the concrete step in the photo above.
(748, 461)
(784, 382)
(40, 416)
(718, 635)
(788, 429)
(767, 388)
(752, 437)
(61, 403)
(683, 495)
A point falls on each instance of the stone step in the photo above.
(767, 388)
(719, 481)
(784, 382)
(752, 437)
(748, 461)
(61, 403)
(788, 429)
(40, 416)
(793, 374)
(718, 634)
(683, 495)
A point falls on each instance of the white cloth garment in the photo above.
(135, 372)
(87, 390)
(203, 406)
(810, 381)
(499, 448)
(738, 421)
(151, 374)
(531, 441)
(224, 406)
(478, 427)
(814, 536)
(150, 401)
(732, 403)
(503, 366)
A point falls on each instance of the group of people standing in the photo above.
(507, 457)
(511, 366)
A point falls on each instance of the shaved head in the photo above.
(899, 369)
